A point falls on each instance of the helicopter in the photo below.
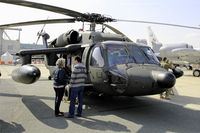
(115, 64)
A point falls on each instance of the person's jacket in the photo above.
(60, 78)
(78, 75)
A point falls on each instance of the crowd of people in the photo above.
(75, 83)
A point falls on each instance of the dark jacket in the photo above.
(60, 77)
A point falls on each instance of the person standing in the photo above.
(77, 83)
(59, 83)
(165, 63)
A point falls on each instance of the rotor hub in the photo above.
(95, 18)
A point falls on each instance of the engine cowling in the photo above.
(26, 74)
(70, 37)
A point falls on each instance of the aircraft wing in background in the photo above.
(187, 54)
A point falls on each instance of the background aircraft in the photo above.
(179, 54)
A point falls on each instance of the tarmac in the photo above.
(30, 109)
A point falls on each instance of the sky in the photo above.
(182, 12)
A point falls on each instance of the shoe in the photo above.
(59, 114)
(78, 115)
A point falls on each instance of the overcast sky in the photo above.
(183, 12)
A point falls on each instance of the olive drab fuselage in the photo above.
(122, 68)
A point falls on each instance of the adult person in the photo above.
(60, 80)
(167, 65)
(77, 83)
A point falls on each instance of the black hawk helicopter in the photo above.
(115, 64)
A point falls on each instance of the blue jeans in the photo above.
(76, 92)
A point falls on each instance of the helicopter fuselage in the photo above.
(117, 67)
(122, 68)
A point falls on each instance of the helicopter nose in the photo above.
(165, 79)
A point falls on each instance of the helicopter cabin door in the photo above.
(96, 69)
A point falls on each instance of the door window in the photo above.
(97, 58)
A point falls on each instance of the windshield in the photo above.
(137, 55)
(117, 54)
(123, 54)
(150, 55)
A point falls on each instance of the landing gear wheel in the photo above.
(49, 77)
(196, 73)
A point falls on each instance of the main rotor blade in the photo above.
(158, 23)
(45, 7)
(49, 21)
(90, 17)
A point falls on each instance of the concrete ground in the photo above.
(30, 108)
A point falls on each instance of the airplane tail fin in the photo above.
(156, 45)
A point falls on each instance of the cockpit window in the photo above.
(152, 59)
(97, 58)
(123, 54)
(117, 55)
(137, 55)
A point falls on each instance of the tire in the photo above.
(196, 73)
